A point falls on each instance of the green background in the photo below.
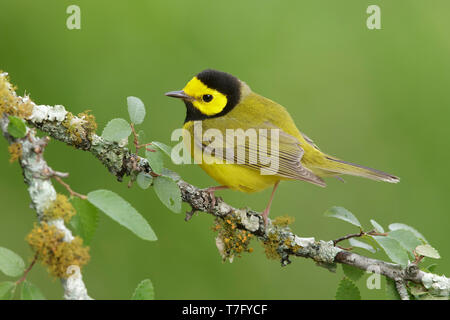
(375, 97)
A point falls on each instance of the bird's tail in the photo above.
(338, 166)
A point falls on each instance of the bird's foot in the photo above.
(211, 191)
(265, 216)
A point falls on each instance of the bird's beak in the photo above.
(179, 94)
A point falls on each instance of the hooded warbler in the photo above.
(220, 101)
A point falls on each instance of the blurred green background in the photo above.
(375, 97)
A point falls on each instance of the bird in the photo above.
(219, 101)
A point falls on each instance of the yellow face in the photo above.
(208, 101)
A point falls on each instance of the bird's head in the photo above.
(209, 94)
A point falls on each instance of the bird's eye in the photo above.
(207, 97)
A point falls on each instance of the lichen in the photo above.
(58, 255)
(231, 241)
(283, 221)
(10, 103)
(89, 125)
(60, 208)
(271, 245)
(81, 127)
(15, 151)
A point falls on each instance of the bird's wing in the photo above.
(263, 147)
(310, 141)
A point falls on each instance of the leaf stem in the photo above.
(68, 188)
(357, 235)
(25, 273)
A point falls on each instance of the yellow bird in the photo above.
(219, 101)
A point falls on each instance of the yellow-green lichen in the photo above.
(234, 241)
(10, 103)
(15, 150)
(60, 208)
(292, 247)
(81, 127)
(53, 252)
(271, 245)
(283, 221)
(89, 125)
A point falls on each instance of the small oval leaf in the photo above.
(377, 226)
(122, 212)
(31, 292)
(163, 147)
(11, 264)
(406, 238)
(17, 127)
(117, 130)
(359, 244)
(393, 249)
(170, 174)
(144, 180)
(136, 110)
(85, 221)
(155, 159)
(168, 192)
(144, 291)
(396, 226)
(7, 289)
(342, 214)
(427, 251)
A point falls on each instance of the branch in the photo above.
(42, 193)
(60, 124)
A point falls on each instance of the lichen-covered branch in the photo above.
(279, 241)
(36, 174)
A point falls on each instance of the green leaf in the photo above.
(85, 222)
(378, 228)
(359, 244)
(155, 159)
(427, 251)
(30, 292)
(142, 136)
(396, 226)
(170, 174)
(168, 192)
(10, 263)
(352, 273)
(7, 290)
(136, 110)
(343, 214)
(144, 180)
(393, 249)
(116, 130)
(163, 147)
(122, 212)
(17, 127)
(431, 268)
(391, 290)
(406, 238)
(144, 291)
(347, 290)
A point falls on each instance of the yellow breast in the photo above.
(234, 176)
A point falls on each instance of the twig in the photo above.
(401, 289)
(69, 189)
(25, 273)
(138, 146)
(360, 234)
